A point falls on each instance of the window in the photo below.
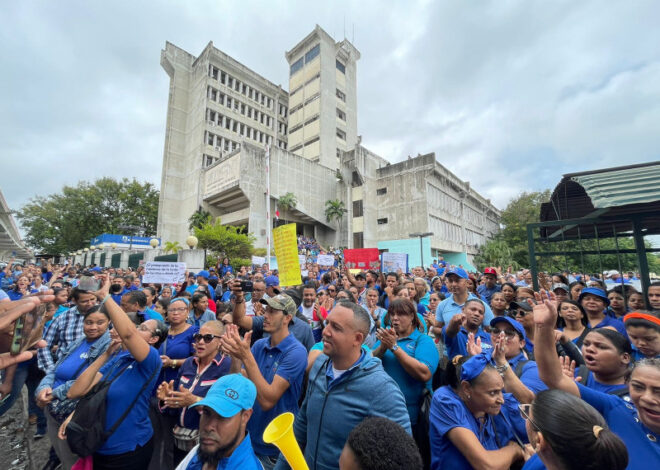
(311, 141)
(382, 221)
(341, 67)
(358, 240)
(340, 94)
(311, 120)
(357, 208)
(341, 114)
(294, 129)
(381, 191)
(341, 134)
(312, 53)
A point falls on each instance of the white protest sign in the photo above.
(302, 259)
(391, 262)
(161, 272)
(325, 260)
(258, 260)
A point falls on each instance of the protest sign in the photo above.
(362, 258)
(258, 260)
(161, 272)
(391, 262)
(325, 260)
(286, 252)
(302, 259)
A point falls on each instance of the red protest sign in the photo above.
(362, 258)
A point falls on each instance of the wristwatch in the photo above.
(502, 369)
(394, 348)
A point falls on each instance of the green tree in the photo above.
(63, 222)
(287, 202)
(172, 247)
(225, 240)
(335, 210)
(198, 218)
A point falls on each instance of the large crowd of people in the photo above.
(438, 368)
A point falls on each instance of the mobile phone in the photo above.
(246, 286)
(28, 330)
(89, 283)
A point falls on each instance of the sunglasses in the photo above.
(331, 290)
(521, 313)
(207, 338)
(525, 409)
(507, 333)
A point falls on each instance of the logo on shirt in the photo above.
(231, 393)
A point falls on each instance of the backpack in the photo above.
(85, 432)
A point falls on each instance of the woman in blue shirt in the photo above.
(644, 333)
(21, 288)
(607, 357)
(225, 268)
(636, 422)
(130, 446)
(52, 391)
(572, 321)
(569, 434)
(463, 433)
(196, 376)
(594, 301)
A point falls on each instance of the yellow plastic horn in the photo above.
(280, 433)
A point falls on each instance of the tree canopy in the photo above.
(66, 221)
(225, 240)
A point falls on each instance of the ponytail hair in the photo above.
(577, 434)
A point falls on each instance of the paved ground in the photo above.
(18, 451)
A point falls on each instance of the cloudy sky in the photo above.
(509, 95)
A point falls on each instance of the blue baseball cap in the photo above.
(514, 323)
(460, 272)
(594, 291)
(272, 281)
(229, 395)
(96, 269)
(204, 274)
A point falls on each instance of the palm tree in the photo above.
(172, 247)
(335, 210)
(198, 218)
(287, 202)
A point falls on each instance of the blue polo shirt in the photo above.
(457, 345)
(288, 360)
(208, 315)
(199, 383)
(592, 383)
(242, 458)
(530, 373)
(422, 348)
(643, 444)
(487, 293)
(151, 314)
(176, 347)
(136, 428)
(448, 308)
(448, 412)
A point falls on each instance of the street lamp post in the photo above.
(421, 244)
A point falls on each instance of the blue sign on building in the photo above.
(122, 241)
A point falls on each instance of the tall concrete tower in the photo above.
(322, 97)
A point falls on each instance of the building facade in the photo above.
(222, 117)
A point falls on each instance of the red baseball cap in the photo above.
(490, 271)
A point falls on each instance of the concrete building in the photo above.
(11, 243)
(222, 116)
(322, 97)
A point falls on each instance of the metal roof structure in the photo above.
(11, 244)
(610, 195)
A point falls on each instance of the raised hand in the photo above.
(473, 346)
(568, 368)
(545, 310)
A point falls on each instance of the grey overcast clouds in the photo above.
(509, 95)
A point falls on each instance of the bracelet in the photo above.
(502, 369)
(174, 363)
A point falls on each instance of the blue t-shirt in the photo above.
(448, 412)
(643, 444)
(487, 293)
(592, 383)
(288, 360)
(151, 314)
(422, 348)
(530, 373)
(614, 322)
(136, 428)
(448, 308)
(457, 345)
(176, 347)
(199, 385)
(67, 370)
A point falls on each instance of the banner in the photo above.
(286, 252)
(391, 262)
(302, 259)
(362, 258)
(325, 260)
(258, 260)
(161, 272)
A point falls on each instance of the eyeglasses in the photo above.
(507, 333)
(521, 313)
(143, 327)
(207, 338)
(525, 409)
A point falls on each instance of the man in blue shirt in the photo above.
(276, 365)
(490, 286)
(453, 304)
(225, 413)
(455, 334)
(134, 303)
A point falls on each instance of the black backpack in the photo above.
(85, 432)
